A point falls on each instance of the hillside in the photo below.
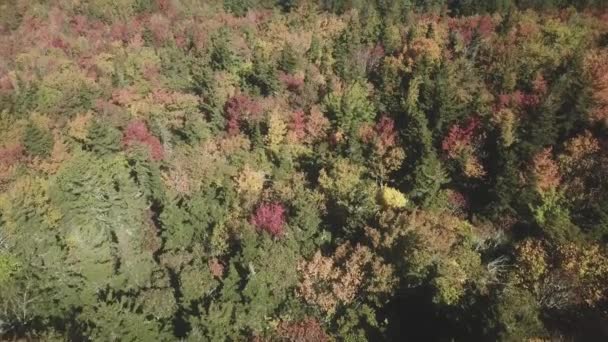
(303, 170)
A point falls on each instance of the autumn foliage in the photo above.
(137, 134)
(303, 170)
(270, 217)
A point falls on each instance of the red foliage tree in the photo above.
(383, 134)
(297, 126)
(316, 125)
(10, 155)
(386, 133)
(241, 108)
(270, 217)
(160, 27)
(291, 82)
(484, 26)
(460, 137)
(308, 330)
(137, 134)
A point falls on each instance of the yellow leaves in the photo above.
(78, 127)
(579, 153)
(25, 200)
(341, 179)
(419, 48)
(8, 267)
(277, 130)
(391, 198)
(506, 120)
(249, 184)
(472, 167)
(578, 163)
(532, 261)
(104, 63)
(589, 268)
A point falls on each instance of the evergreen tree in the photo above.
(103, 139)
(427, 173)
(288, 60)
(38, 142)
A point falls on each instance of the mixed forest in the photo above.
(306, 171)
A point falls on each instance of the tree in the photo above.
(518, 315)
(428, 175)
(137, 134)
(288, 60)
(270, 218)
(102, 138)
(38, 142)
(351, 108)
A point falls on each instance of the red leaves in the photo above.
(270, 217)
(523, 100)
(241, 108)
(518, 99)
(483, 25)
(462, 144)
(308, 330)
(383, 135)
(10, 155)
(292, 82)
(297, 126)
(459, 137)
(160, 27)
(216, 267)
(6, 85)
(137, 134)
(386, 133)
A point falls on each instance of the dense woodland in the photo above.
(259, 170)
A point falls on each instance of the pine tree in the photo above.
(103, 139)
(351, 108)
(38, 142)
(288, 60)
(427, 172)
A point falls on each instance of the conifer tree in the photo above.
(38, 142)
(103, 139)
(427, 174)
(288, 60)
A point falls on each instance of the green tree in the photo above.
(102, 138)
(351, 108)
(38, 142)
(288, 60)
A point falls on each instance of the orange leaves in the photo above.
(588, 271)
(546, 171)
(307, 330)
(596, 67)
(338, 279)
(424, 47)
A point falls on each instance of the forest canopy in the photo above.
(292, 170)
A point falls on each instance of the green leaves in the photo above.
(103, 139)
(38, 142)
(350, 108)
